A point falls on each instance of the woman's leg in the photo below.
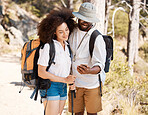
(52, 107)
(61, 106)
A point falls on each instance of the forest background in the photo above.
(126, 87)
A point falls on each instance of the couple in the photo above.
(60, 27)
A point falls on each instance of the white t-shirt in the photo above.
(62, 59)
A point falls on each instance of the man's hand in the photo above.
(83, 69)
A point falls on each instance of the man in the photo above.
(85, 67)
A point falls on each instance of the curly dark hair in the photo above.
(48, 25)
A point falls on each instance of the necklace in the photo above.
(74, 57)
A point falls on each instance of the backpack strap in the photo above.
(70, 52)
(51, 54)
(51, 60)
(27, 54)
(92, 41)
(35, 71)
(28, 50)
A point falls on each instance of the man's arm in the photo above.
(99, 53)
(98, 58)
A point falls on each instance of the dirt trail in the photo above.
(11, 101)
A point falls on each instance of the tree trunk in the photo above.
(100, 7)
(133, 34)
(144, 3)
(107, 4)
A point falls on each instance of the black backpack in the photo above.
(109, 50)
(42, 83)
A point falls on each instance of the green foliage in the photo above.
(39, 7)
(141, 86)
(128, 108)
(143, 13)
(22, 1)
(115, 1)
(7, 39)
(119, 75)
(120, 22)
(143, 51)
(143, 23)
(36, 11)
(132, 90)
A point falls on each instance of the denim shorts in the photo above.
(57, 91)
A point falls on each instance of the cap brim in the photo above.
(87, 19)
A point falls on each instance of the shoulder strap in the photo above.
(28, 49)
(28, 52)
(51, 54)
(69, 51)
(92, 41)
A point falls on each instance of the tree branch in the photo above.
(143, 18)
(144, 4)
(119, 8)
(144, 9)
(64, 4)
(130, 18)
(142, 25)
(122, 2)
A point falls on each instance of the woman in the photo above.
(56, 26)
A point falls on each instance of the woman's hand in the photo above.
(72, 86)
(70, 79)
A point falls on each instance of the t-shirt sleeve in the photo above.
(44, 55)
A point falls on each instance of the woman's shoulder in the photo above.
(45, 47)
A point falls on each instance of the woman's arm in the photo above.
(47, 75)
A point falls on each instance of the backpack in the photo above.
(29, 67)
(27, 62)
(109, 50)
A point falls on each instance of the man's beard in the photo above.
(82, 28)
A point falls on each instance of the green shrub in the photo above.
(141, 86)
(143, 51)
(119, 74)
(126, 88)
(120, 22)
(36, 11)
